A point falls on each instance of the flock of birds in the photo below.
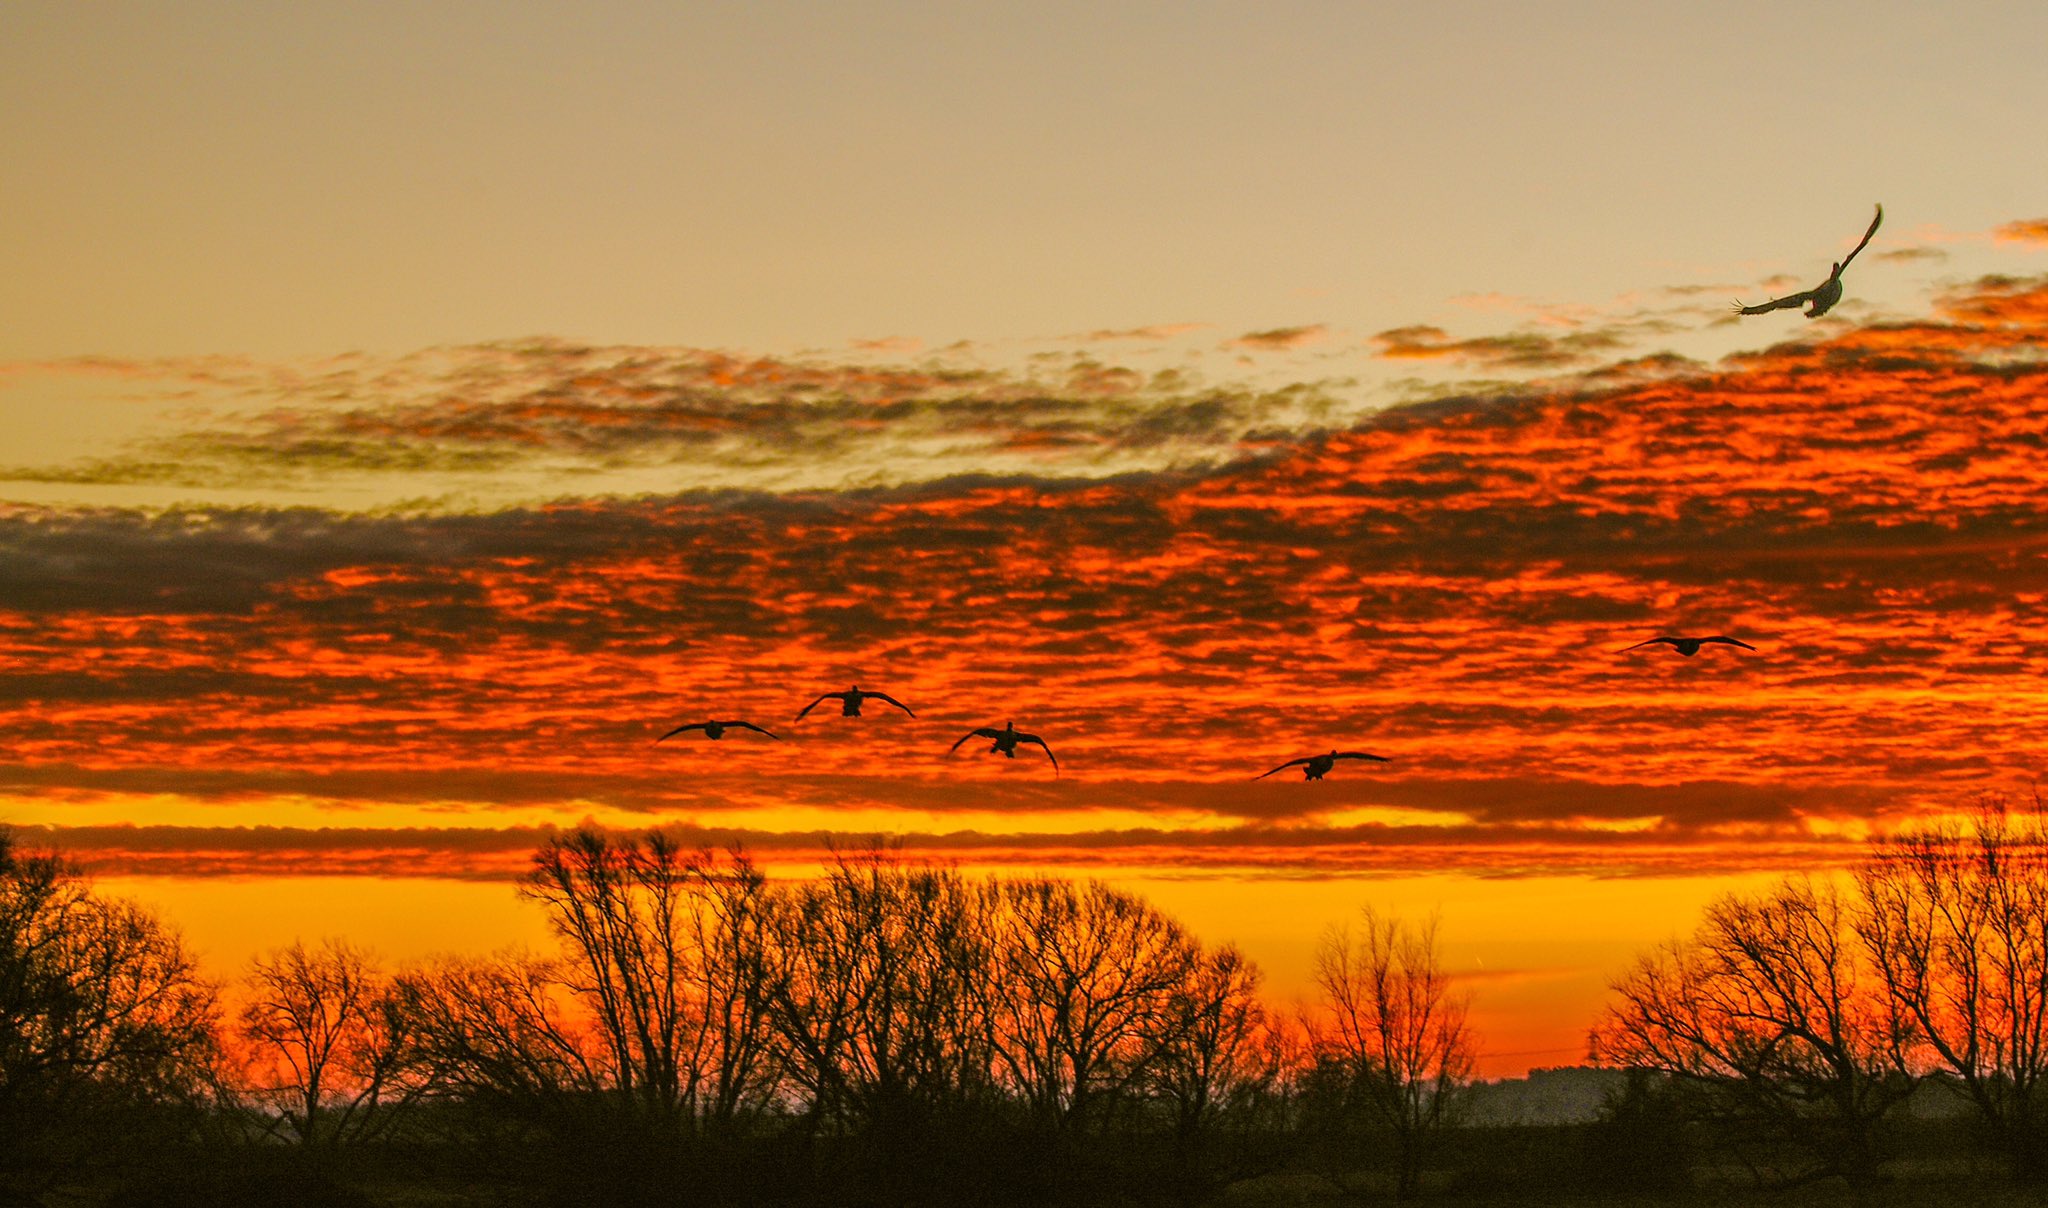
(1006, 740)
(1818, 301)
(850, 701)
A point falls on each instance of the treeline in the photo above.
(1798, 1033)
(884, 1033)
(901, 1033)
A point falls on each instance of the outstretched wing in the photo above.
(821, 700)
(1651, 642)
(1788, 302)
(1283, 767)
(984, 732)
(1727, 641)
(884, 696)
(1866, 239)
(695, 725)
(1358, 755)
(1048, 750)
(747, 725)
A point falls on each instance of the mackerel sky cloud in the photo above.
(1178, 580)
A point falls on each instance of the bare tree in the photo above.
(493, 1032)
(1391, 1025)
(1093, 982)
(882, 1001)
(1956, 919)
(1219, 1063)
(102, 1010)
(616, 906)
(1774, 1009)
(324, 1044)
(664, 949)
(740, 973)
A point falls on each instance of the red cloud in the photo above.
(1450, 585)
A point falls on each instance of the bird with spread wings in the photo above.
(1821, 298)
(1688, 646)
(1006, 742)
(850, 702)
(1315, 767)
(717, 729)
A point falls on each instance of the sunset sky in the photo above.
(410, 412)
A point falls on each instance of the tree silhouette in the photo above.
(1956, 921)
(1393, 1032)
(103, 1016)
(1089, 977)
(663, 948)
(324, 1043)
(493, 1033)
(881, 1011)
(1218, 1064)
(1776, 1012)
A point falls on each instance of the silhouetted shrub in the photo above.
(1513, 1160)
(1640, 1141)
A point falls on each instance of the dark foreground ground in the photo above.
(1298, 1191)
(1940, 1162)
(1902, 1188)
(1899, 1192)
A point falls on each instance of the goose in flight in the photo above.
(1007, 739)
(850, 701)
(717, 729)
(1821, 298)
(1689, 646)
(1314, 767)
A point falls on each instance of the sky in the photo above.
(410, 412)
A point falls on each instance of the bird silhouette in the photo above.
(1007, 739)
(850, 701)
(1315, 767)
(1688, 646)
(717, 729)
(1821, 298)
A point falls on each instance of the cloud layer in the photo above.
(546, 418)
(1447, 584)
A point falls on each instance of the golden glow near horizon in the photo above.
(1535, 954)
(407, 420)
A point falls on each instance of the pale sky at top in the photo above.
(279, 180)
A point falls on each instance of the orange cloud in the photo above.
(1280, 338)
(890, 344)
(1449, 584)
(1151, 331)
(2029, 230)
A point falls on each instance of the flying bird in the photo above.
(1821, 298)
(850, 701)
(717, 729)
(1688, 646)
(1007, 739)
(1315, 767)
